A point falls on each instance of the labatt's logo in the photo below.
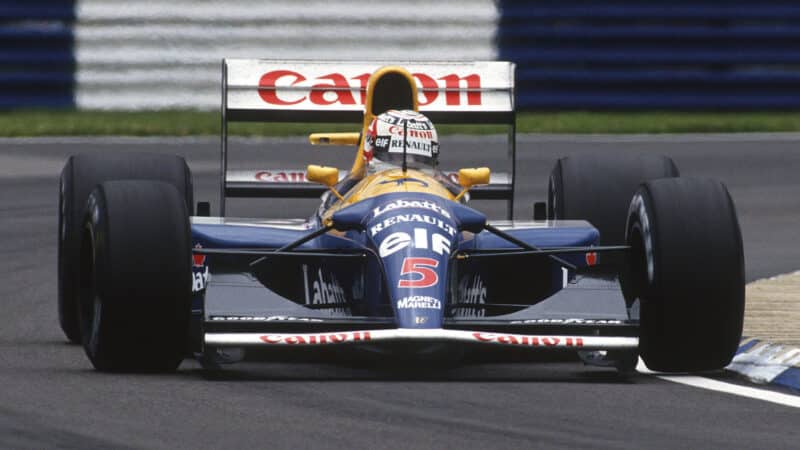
(400, 204)
(471, 291)
(337, 88)
(324, 291)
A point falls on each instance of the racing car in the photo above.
(626, 259)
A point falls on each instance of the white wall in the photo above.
(143, 54)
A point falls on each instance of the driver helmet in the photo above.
(389, 133)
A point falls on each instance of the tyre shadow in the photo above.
(357, 367)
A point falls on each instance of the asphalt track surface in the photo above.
(51, 397)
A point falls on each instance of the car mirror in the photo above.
(471, 177)
(328, 176)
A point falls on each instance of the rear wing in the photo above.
(334, 91)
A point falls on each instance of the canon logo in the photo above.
(532, 341)
(316, 339)
(280, 87)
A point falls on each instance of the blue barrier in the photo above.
(639, 54)
(37, 62)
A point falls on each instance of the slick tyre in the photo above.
(135, 284)
(79, 177)
(598, 188)
(687, 268)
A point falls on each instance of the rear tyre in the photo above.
(136, 277)
(79, 177)
(598, 188)
(687, 268)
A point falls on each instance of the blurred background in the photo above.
(685, 55)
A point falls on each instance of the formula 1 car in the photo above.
(627, 259)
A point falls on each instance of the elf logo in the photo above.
(421, 239)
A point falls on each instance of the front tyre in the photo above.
(687, 268)
(135, 284)
(81, 174)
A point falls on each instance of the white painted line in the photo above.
(728, 388)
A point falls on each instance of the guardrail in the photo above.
(682, 54)
(37, 66)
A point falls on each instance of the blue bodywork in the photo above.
(409, 273)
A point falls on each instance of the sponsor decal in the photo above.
(472, 291)
(591, 258)
(420, 272)
(299, 176)
(413, 147)
(263, 319)
(531, 341)
(336, 88)
(419, 302)
(200, 279)
(570, 321)
(316, 339)
(402, 204)
(415, 129)
(324, 290)
(399, 240)
(415, 218)
(198, 260)
(200, 273)
(281, 176)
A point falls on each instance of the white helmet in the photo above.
(395, 132)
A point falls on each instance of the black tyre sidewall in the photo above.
(141, 279)
(555, 193)
(693, 306)
(67, 249)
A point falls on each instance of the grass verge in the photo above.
(193, 123)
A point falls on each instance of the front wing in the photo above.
(585, 316)
(432, 336)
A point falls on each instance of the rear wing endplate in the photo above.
(334, 92)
